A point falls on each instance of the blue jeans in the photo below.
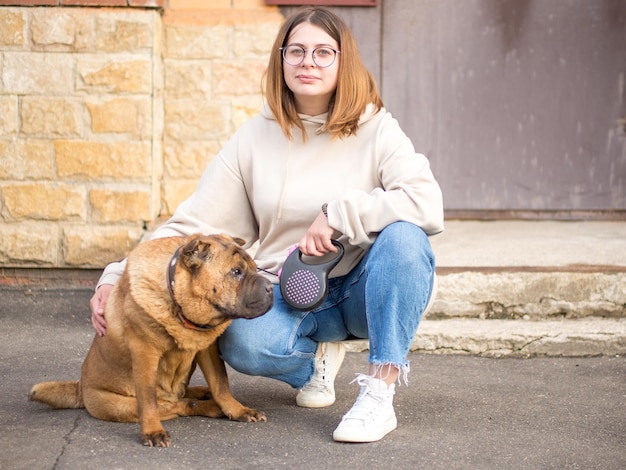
(383, 298)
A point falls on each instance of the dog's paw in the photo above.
(248, 415)
(157, 439)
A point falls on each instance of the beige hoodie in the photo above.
(263, 187)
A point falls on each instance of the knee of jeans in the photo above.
(406, 242)
(249, 351)
(240, 355)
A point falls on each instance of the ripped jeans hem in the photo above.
(382, 370)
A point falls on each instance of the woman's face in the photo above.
(312, 86)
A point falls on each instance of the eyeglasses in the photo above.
(322, 56)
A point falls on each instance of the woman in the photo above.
(323, 160)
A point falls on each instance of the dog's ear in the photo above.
(196, 253)
(239, 241)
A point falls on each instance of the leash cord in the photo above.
(266, 271)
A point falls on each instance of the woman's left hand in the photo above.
(317, 239)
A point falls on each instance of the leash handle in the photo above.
(303, 285)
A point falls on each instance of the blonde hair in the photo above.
(356, 87)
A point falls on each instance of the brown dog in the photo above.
(176, 296)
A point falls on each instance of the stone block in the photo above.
(121, 115)
(111, 206)
(62, 29)
(29, 244)
(237, 78)
(174, 192)
(43, 201)
(196, 119)
(8, 115)
(254, 40)
(103, 160)
(129, 32)
(244, 108)
(110, 75)
(196, 41)
(187, 159)
(26, 159)
(51, 117)
(97, 246)
(12, 32)
(36, 73)
(187, 79)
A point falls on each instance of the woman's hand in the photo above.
(98, 303)
(317, 239)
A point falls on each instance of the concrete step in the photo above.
(520, 294)
(528, 288)
(517, 338)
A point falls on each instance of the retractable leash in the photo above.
(304, 286)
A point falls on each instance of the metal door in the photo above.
(519, 104)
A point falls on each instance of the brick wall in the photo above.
(109, 115)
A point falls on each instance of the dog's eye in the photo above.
(237, 273)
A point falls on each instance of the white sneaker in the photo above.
(372, 416)
(320, 390)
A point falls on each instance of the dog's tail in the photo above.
(58, 394)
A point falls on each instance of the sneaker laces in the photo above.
(369, 400)
(318, 381)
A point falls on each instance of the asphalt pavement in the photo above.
(458, 412)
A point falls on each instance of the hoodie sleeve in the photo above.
(408, 191)
(218, 205)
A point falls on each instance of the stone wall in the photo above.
(109, 115)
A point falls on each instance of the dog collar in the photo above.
(171, 270)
